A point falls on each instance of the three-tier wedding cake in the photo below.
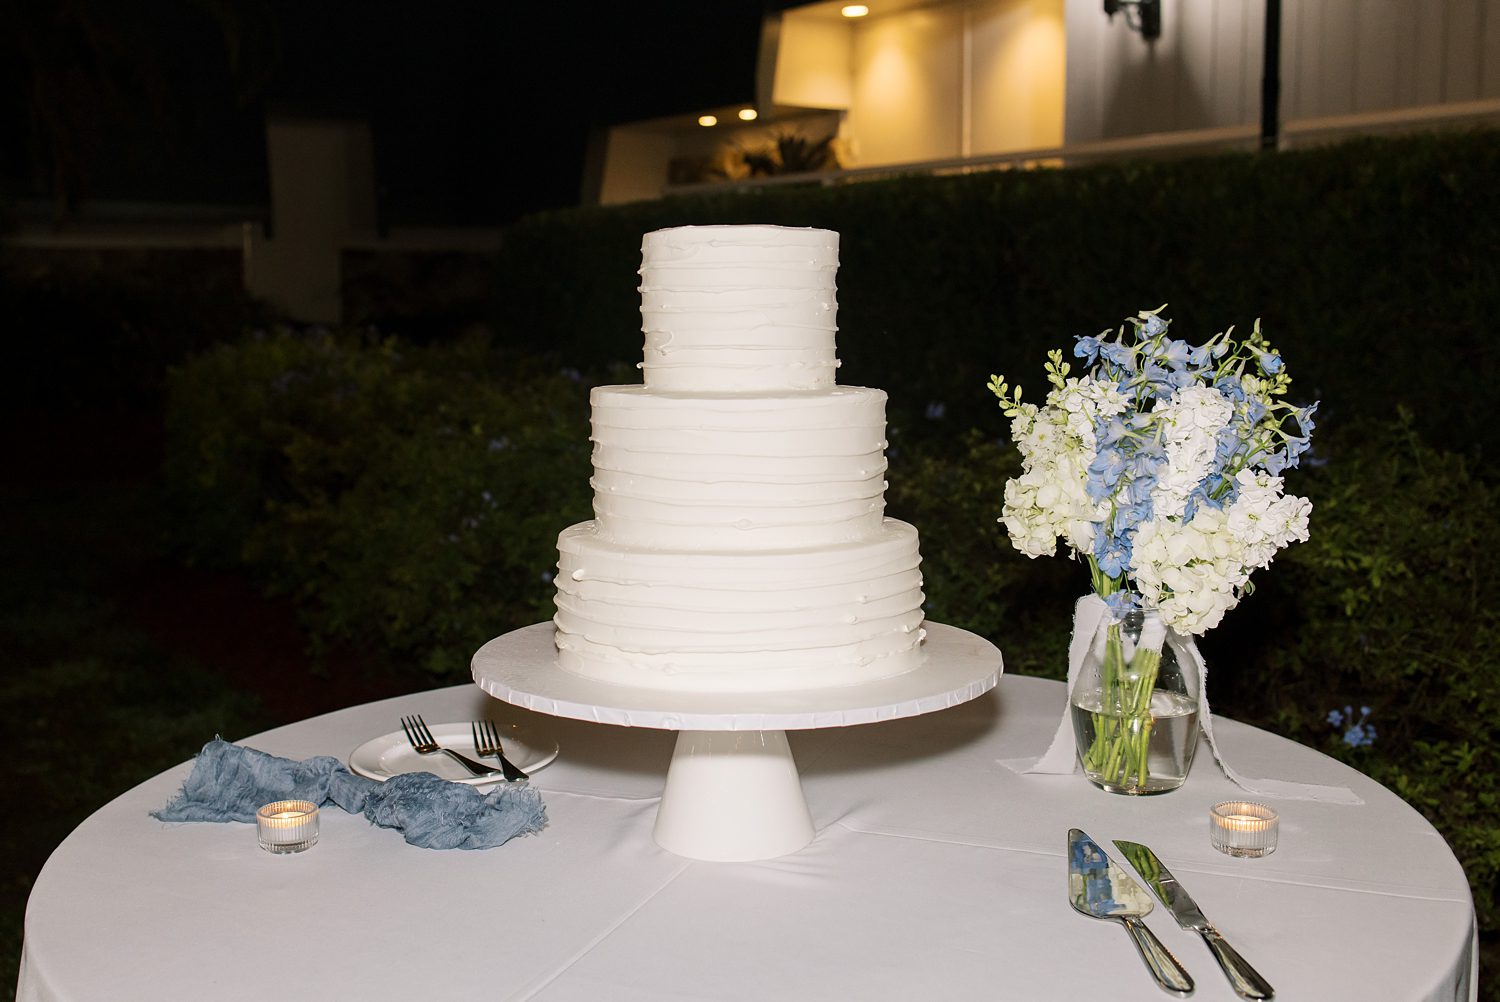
(739, 542)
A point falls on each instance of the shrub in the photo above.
(408, 498)
(1389, 606)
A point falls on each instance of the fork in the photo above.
(423, 743)
(487, 742)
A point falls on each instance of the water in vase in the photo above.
(1172, 738)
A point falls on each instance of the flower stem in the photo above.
(1123, 723)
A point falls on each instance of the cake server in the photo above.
(1099, 888)
(1243, 978)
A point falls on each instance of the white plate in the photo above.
(391, 754)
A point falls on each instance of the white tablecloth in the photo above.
(936, 874)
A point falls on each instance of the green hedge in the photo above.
(409, 498)
(1371, 263)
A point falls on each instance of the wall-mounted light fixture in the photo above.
(708, 121)
(1140, 15)
(854, 10)
(748, 114)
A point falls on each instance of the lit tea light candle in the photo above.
(287, 826)
(1243, 828)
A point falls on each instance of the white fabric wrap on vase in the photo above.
(1061, 757)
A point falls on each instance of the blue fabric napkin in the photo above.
(230, 782)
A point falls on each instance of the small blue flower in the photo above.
(1177, 354)
(1086, 348)
(1118, 354)
(1303, 416)
(1120, 603)
(1270, 362)
(1153, 326)
(1231, 387)
(1359, 733)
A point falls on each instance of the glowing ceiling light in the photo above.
(747, 114)
(855, 10)
(707, 120)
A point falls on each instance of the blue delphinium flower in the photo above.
(1086, 348)
(1176, 354)
(1120, 603)
(1359, 733)
(1270, 362)
(1104, 473)
(1118, 355)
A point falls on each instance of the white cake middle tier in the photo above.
(753, 471)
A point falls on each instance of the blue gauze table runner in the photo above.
(229, 782)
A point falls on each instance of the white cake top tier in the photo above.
(739, 308)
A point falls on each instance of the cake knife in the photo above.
(1244, 979)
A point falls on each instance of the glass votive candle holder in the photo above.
(287, 826)
(1243, 828)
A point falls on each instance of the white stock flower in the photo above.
(1080, 402)
(1264, 519)
(1190, 422)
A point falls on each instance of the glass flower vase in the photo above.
(1135, 705)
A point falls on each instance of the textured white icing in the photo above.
(738, 472)
(739, 542)
(732, 308)
(716, 621)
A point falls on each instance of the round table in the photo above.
(935, 873)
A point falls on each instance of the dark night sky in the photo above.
(481, 109)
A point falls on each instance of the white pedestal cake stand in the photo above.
(732, 790)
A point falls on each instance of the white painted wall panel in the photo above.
(1461, 55)
(1018, 51)
(907, 94)
(1338, 57)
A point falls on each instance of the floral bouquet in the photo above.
(1161, 468)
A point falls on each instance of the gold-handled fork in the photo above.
(487, 742)
(423, 743)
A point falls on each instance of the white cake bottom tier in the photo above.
(739, 622)
(698, 471)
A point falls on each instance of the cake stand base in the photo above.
(733, 796)
(732, 791)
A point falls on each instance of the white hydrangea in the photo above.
(1189, 422)
(1190, 571)
(1047, 502)
(1195, 571)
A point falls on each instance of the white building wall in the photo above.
(1338, 57)
(1350, 56)
(958, 79)
(1018, 49)
(907, 88)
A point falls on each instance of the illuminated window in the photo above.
(747, 114)
(855, 10)
(707, 120)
